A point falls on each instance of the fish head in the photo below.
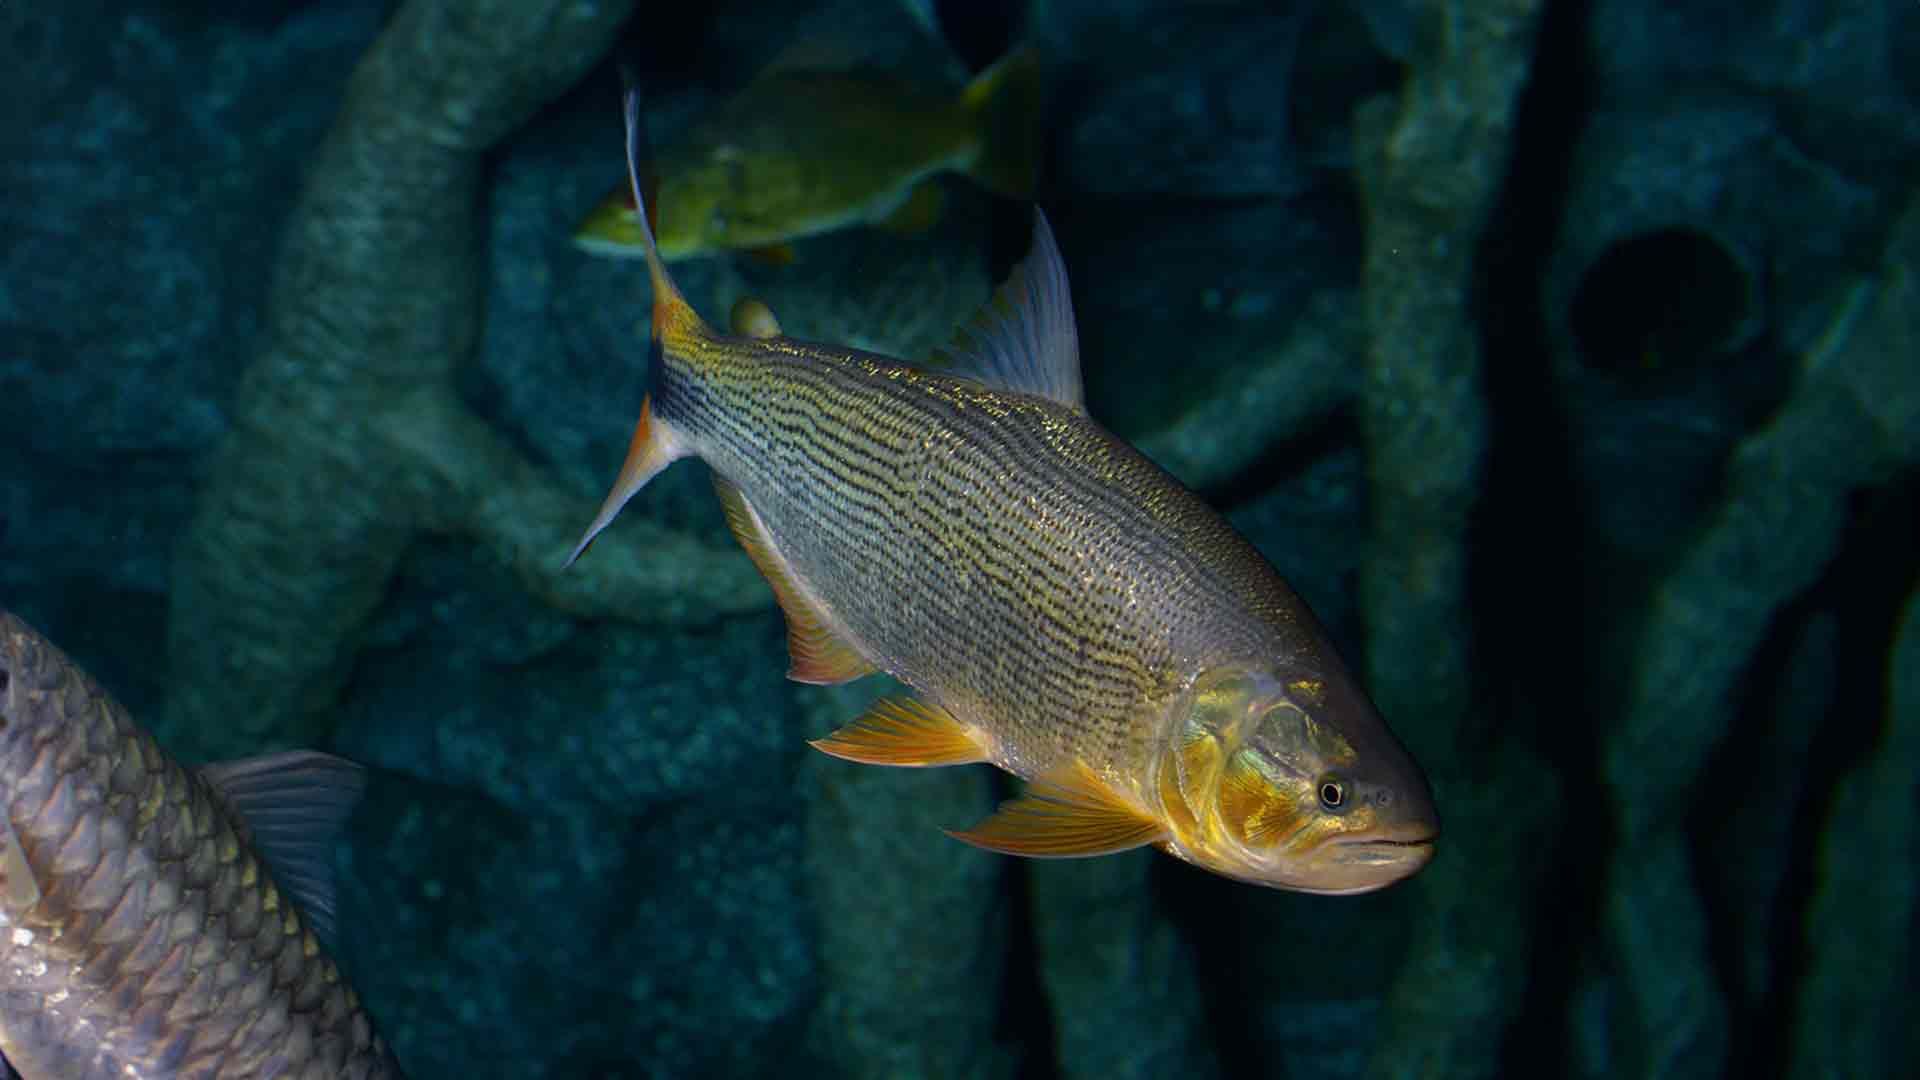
(1293, 781)
(693, 219)
(717, 201)
(689, 221)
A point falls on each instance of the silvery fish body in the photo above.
(1063, 607)
(142, 934)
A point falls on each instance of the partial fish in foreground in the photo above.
(800, 152)
(1063, 608)
(151, 917)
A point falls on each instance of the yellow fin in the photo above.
(919, 211)
(1065, 814)
(818, 656)
(904, 731)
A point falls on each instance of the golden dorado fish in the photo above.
(800, 152)
(151, 922)
(1062, 607)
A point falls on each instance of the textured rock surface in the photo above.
(147, 156)
(1757, 832)
(1120, 978)
(564, 818)
(1430, 167)
(1858, 1012)
(913, 926)
(1234, 306)
(1786, 499)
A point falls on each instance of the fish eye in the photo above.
(1333, 794)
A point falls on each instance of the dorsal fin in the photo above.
(294, 804)
(1024, 339)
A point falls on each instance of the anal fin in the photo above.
(1067, 814)
(904, 731)
(818, 655)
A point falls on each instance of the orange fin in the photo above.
(904, 731)
(774, 254)
(1066, 814)
(651, 449)
(818, 655)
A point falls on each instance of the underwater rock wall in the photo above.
(1560, 354)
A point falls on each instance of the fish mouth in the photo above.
(1410, 834)
(1411, 848)
(1384, 851)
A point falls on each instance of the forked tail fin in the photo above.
(653, 446)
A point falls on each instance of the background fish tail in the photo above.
(1004, 103)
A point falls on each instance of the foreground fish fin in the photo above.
(1003, 103)
(1066, 814)
(653, 446)
(819, 656)
(905, 731)
(18, 885)
(919, 211)
(294, 804)
(1024, 339)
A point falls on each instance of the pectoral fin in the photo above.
(903, 731)
(819, 655)
(1066, 814)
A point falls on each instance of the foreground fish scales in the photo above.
(803, 152)
(141, 934)
(1064, 608)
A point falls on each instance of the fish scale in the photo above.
(159, 945)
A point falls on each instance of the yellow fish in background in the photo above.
(803, 152)
(1064, 608)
